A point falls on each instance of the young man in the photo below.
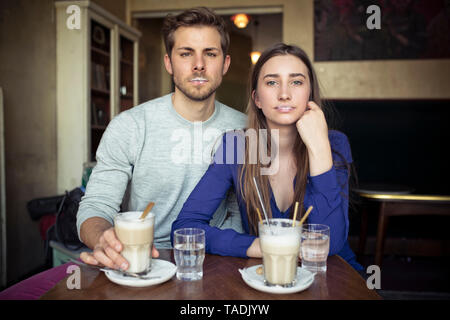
(161, 149)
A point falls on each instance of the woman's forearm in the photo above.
(320, 159)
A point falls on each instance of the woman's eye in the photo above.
(297, 82)
(271, 83)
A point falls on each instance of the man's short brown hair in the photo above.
(200, 16)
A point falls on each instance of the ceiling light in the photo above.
(240, 20)
(255, 56)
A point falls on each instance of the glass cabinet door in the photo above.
(126, 86)
(100, 83)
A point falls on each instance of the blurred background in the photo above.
(62, 80)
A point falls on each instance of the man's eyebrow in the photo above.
(191, 49)
(185, 48)
(276, 75)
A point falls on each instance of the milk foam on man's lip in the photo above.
(136, 236)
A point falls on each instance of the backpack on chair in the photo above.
(65, 228)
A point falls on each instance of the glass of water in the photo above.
(189, 251)
(314, 248)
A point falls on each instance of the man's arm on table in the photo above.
(104, 193)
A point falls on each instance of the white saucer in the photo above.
(162, 269)
(304, 279)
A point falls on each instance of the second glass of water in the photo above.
(315, 247)
(189, 252)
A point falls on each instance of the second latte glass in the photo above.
(280, 245)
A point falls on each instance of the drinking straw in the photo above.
(259, 215)
(295, 213)
(306, 215)
(262, 204)
(147, 210)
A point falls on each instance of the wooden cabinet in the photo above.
(97, 77)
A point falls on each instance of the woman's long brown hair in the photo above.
(256, 120)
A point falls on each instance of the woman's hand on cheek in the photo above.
(313, 130)
(312, 127)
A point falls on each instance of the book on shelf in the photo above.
(99, 116)
(94, 120)
(99, 77)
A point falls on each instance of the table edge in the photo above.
(412, 197)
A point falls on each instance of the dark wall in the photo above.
(399, 141)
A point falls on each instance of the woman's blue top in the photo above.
(327, 193)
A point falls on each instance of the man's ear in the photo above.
(255, 99)
(168, 64)
(226, 64)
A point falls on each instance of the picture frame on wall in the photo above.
(408, 29)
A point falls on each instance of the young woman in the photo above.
(310, 163)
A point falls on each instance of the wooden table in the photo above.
(397, 205)
(221, 281)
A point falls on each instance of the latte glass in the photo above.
(280, 245)
(136, 236)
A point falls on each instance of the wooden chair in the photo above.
(397, 205)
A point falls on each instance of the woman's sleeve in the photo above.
(201, 204)
(328, 194)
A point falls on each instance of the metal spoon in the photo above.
(123, 272)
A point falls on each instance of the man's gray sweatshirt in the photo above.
(151, 153)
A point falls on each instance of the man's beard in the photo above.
(196, 95)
